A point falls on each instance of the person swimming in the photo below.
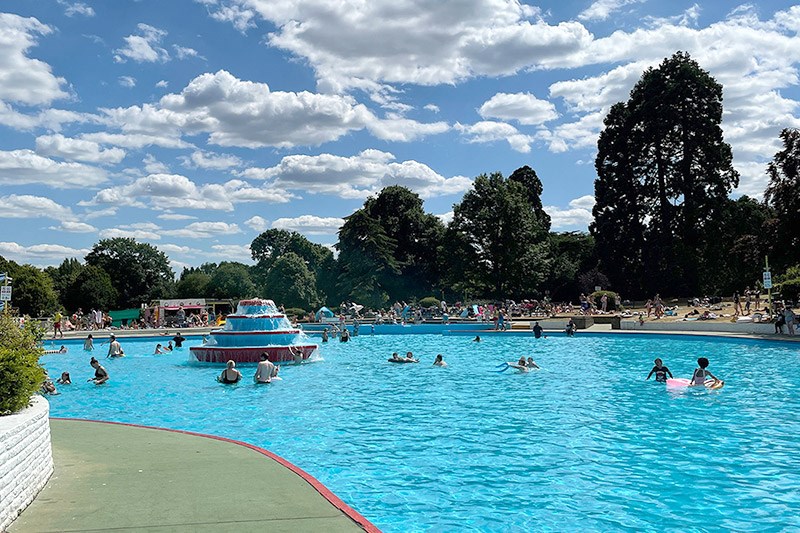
(230, 374)
(660, 371)
(701, 374)
(477, 338)
(439, 361)
(530, 363)
(410, 358)
(64, 379)
(396, 357)
(159, 350)
(88, 344)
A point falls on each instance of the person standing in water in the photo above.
(114, 348)
(100, 373)
(660, 371)
(701, 374)
(537, 330)
(88, 344)
(325, 335)
(439, 361)
(265, 370)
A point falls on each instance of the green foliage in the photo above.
(33, 292)
(91, 289)
(140, 272)
(232, 280)
(783, 195)
(789, 289)
(664, 175)
(500, 237)
(573, 254)
(597, 296)
(20, 373)
(291, 283)
(793, 272)
(296, 312)
(193, 285)
(63, 277)
(429, 301)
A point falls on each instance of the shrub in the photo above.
(296, 312)
(789, 289)
(20, 373)
(429, 301)
(597, 295)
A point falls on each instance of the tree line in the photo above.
(663, 222)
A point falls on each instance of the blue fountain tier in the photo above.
(257, 323)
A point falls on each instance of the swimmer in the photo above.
(88, 344)
(100, 373)
(63, 349)
(477, 338)
(660, 371)
(439, 361)
(230, 374)
(114, 349)
(265, 371)
(537, 331)
(530, 363)
(297, 354)
(396, 357)
(701, 374)
(159, 350)
(169, 347)
(410, 358)
(325, 335)
(64, 379)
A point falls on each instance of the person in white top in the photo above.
(265, 370)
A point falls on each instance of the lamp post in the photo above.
(768, 283)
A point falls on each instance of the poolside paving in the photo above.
(120, 478)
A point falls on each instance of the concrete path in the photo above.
(112, 477)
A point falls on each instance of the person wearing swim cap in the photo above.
(660, 371)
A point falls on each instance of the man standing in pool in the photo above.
(660, 371)
(537, 330)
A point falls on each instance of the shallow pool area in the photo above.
(583, 444)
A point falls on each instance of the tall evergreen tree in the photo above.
(676, 156)
(783, 195)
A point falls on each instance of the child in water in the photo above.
(660, 371)
(701, 374)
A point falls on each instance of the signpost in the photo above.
(768, 282)
(5, 292)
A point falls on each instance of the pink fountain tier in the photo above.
(257, 327)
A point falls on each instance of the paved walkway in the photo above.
(123, 478)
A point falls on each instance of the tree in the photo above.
(232, 280)
(193, 285)
(20, 373)
(63, 277)
(33, 292)
(140, 272)
(664, 146)
(505, 242)
(291, 283)
(573, 255)
(366, 259)
(91, 289)
(783, 195)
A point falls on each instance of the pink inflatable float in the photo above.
(678, 383)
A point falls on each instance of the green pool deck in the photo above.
(111, 477)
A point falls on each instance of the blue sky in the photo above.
(196, 124)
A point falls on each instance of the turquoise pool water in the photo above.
(584, 444)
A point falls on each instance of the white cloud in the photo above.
(358, 176)
(72, 226)
(27, 206)
(143, 48)
(38, 253)
(210, 160)
(235, 112)
(138, 140)
(142, 235)
(175, 216)
(577, 216)
(489, 131)
(127, 81)
(76, 8)
(162, 84)
(204, 230)
(240, 16)
(309, 224)
(524, 108)
(77, 149)
(602, 9)
(257, 223)
(232, 252)
(22, 79)
(99, 213)
(183, 52)
(177, 249)
(153, 165)
(19, 167)
(446, 217)
(431, 107)
(52, 119)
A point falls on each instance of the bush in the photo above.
(20, 373)
(610, 306)
(788, 289)
(296, 312)
(429, 301)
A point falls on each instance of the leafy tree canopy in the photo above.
(291, 283)
(232, 280)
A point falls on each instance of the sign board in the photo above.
(597, 288)
(767, 280)
(5, 293)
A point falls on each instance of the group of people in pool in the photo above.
(699, 377)
(409, 358)
(266, 371)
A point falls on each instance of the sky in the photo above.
(194, 125)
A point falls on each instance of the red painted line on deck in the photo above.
(324, 491)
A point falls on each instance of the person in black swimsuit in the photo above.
(230, 374)
(660, 371)
(537, 331)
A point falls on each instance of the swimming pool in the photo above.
(583, 444)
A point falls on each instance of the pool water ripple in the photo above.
(583, 444)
